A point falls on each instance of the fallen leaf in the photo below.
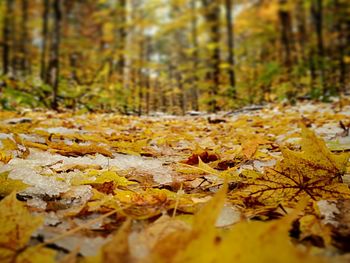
(17, 226)
(8, 185)
(315, 172)
(117, 249)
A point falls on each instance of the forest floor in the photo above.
(210, 188)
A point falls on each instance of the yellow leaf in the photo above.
(315, 173)
(251, 143)
(316, 151)
(5, 158)
(310, 225)
(9, 145)
(246, 242)
(206, 168)
(98, 177)
(190, 245)
(17, 226)
(201, 168)
(102, 200)
(78, 150)
(249, 148)
(40, 146)
(23, 153)
(132, 148)
(37, 254)
(8, 185)
(264, 242)
(116, 250)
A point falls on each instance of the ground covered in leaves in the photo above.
(256, 185)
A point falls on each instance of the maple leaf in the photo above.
(317, 157)
(17, 226)
(315, 172)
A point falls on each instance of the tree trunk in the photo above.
(212, 17)
(121, 39)
(45, 30)
(148, 53)
(341, 44)
(141, 78)
(195, 57)
(302, 34)
(7, 36)
(286, 33)
(317, 15)
(119, 63)
(24, 58)
(54, 63)
(178, 58)
(230, 46)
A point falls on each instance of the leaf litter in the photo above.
(109, 188)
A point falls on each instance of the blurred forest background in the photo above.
(143, 56)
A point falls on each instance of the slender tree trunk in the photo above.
(148, 94)
(45, 30)
(301, 41)
(195, 57)
(317, 14)
(133, 87)
(171, 86)
(182, 96)
(286, 31)
(346, 33)
(54, 63)
(178, 57)
(302, 34)
(341, 44)
(312, 68)
(148, 53)
(230, 46)
(141, 78)
(120, 43)
(7, 37)
(212, 16)
(24, 59)
(155, 95)
(122, 34)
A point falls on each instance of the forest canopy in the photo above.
(172, 56)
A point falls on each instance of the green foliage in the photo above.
(268, 73)
(12, 98)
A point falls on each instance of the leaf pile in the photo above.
(108, 188)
